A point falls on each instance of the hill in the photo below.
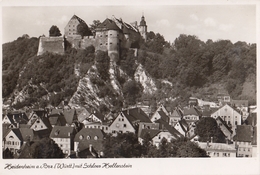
(161, 71)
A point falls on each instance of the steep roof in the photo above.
(16, 117)
(99, 115)
(24, 133)
(178, 112)
(69, 115)
(163, 116)
(78, 18)
(151, 132)
(45, 120)
(54, 119)
(61, 132)
(136, 115)
(190, 111)
(164, 125)
(86, 136)
(5, 129)
(224, 123)
(108, 24)
(244, 133)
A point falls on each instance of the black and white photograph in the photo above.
(110, 86)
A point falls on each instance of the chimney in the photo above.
(211, 139)
(69, 134)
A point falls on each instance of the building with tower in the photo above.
(143, 28)
(111, 35)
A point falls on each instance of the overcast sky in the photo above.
(232, 22)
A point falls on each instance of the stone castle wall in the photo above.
(52, 45)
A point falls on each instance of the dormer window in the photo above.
(81, 137)
(88, 137)
(96, 137)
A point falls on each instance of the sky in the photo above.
(229, 22)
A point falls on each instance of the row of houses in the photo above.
(82, 130)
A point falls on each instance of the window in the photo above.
(100, 44)
(110, 43)
(244, 149)
(122, 119)
(217, 154)
(124, 125)
(106, 128)
(61, 145)
(228, 154)
(235, 122)
(119, 119)
(96, 137)
(248, 149)
(88, 137)
(100, 35)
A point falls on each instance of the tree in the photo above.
(123, 145)
(190, 149)
(94, 25)
(131, 91)
(83, 30)
(45, 148)
(206, 128)
(7, 154)
(102, 64)
(54, 31)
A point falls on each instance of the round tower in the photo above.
(143, 28)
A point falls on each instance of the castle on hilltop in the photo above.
(111, 35)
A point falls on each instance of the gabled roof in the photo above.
(78, 18)
(151, 132)
(163, 116)
(24, 133)
(5, 129)
(54, 119)
(108, 24)
(184, 125)
(17, 117)
(61, 132)
(136, 115)
(191, 111)
(45, 120)
(86, 136)
(99, 115)
(224, 123)
(69, 115)
(177, 111)
(164, 125)
(40, 113)
(244, 133)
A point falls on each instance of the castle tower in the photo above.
(143, 28)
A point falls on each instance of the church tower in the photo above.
(143, 28)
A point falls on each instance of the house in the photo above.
(191, 115)
(242, 106)
(182, 126)
(71, 28)
(83, 113)
(37, 113)
(243, 140)
(57, 119)
(63, 136)
(128, 121)
(156, 136)
(89, 138)
(159, 115)
(144, 125)
(228, 115)
(96, 116)
(15, 138)
(97, 125)
(40, 123)
(14, 119)
(70, 116)
(164, 126)
(227, 131)
(254, 142)
(163, 108)
(176, 116)
(218, 149)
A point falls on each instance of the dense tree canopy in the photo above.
(54, 31)
(206, 128)
(83, 30)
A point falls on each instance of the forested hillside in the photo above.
(186, 67)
